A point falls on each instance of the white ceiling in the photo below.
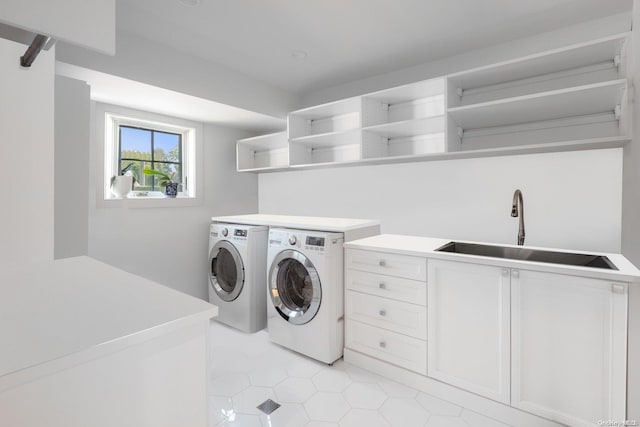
(345, 39)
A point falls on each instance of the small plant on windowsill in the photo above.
(122, 184)
(170, 187)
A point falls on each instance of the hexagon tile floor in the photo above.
(248, 369)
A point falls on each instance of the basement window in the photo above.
(135, 144)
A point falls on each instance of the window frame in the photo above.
(183, 178)
(188, 135)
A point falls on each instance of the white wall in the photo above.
(170, 244)
(71, 196)
(571, 200)
(26, 120)
(158, 65)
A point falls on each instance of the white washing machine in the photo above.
(305, 284)
(237, 279)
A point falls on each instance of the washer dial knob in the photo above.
(292, 240)
(225, 232)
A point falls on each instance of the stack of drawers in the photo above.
(386, 307)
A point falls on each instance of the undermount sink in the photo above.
(524, 254)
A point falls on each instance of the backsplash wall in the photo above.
(572, 200)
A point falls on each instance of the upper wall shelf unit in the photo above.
(572, 98)
(263, 152)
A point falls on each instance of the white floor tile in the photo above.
(444, 421)
(267, 376)
(288, 415)
(294, 390)
(361, 375)
(226, 361)
(363, 418)
(220, 409)
(325, 406)
(404, 412)
(477, 420)
(321, 424)
(437, 406)
(330, 379)
(303, 367)
(241, 420)
(247, 369)
(365, 395)
(246, 401)
(228, 384)
(395, 389)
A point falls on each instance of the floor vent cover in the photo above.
(268, 406)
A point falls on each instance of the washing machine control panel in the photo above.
(315, 241)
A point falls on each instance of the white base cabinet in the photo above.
(386, 307)
(568, 347)
(468, 327)
(550, 346)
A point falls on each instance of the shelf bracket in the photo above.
(460, 92)
(385, 106)
(460, 133)
(616, 61)
(309, 122)
(617, 112)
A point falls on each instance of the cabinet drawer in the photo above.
(397, 288)
(402, 317)
(409, 267)
(401, 350)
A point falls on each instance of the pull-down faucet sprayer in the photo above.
(517, 209)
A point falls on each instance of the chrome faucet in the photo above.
(515, 212)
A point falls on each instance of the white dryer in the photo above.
(237, 279)
(305, 281)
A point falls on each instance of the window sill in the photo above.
(157, 200)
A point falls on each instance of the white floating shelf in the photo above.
(566, 99)
(570, 102)
(408, 128)
(551, 61)
(329, 139)
(413, 91)
(330, 109)
(265, 142)
(585, 144)
(262, 152)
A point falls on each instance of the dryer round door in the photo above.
(227, 271)
(294, 286)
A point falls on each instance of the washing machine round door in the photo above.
(227, 271)
(294, 286)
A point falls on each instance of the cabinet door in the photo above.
(569, 347)
(468, 327)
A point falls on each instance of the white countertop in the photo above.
(426, 247)
(62, 307)
(339, 225)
